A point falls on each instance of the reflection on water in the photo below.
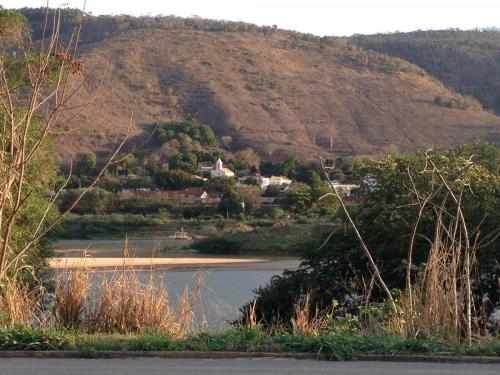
(224, 291)
(222, 294)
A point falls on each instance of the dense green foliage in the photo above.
(186, 132)
(385, 216)
(114, 225)
(280, 238)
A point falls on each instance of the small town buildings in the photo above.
(279, 180)
(205, 168)
(219, 171)
(344, 189)
(183, 197)
(264, 182)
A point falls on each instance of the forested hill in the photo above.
(279, 92)
(467, 61)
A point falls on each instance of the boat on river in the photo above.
(180, 235)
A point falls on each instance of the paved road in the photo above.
(151, 366)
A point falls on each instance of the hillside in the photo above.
(279, 92)
(467, 61)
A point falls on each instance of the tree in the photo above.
(267, 168)
(34, 79)
(208, 136)
(250, 196)
(111, 184)
(298, 198)
(86, 164)
(219, 185)
(230, 203)
(387, 216)
(247, 158)
(175, 179)
(95, 201)
(143, 182)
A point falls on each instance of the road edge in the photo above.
(233, 355)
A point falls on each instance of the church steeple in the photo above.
(218, 165)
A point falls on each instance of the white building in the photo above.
(344, 189)
(219, 171)
(273, 180)
(279, 180)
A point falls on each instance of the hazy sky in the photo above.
(321, 17)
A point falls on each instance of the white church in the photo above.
(219, 171)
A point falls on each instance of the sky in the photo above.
(320, 17)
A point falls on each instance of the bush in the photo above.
(217, 245)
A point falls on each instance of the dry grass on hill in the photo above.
(275, 92)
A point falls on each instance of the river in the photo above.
(226, 287)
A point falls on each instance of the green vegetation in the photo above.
(186, 133)
(114, 225)
(144, 178)
(385, 216)
(459, 102)
(26, 210)
(272, 239)
(334, 346)
(463, 60)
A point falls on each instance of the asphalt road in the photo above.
(152, 366)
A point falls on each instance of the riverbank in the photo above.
(330, 345)
(93, 262)
(116, 226)
(211, 237)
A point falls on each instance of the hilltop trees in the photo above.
(186, 132)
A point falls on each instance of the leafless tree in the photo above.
(37, 88)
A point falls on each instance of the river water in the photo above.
(225, 289)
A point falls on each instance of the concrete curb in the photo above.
(430, 358)
(111, 354)
(105, 354)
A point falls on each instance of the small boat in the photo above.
(180, 235)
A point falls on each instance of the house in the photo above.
(279, 180)
(273, 180)
(219, 171)
(344, 189)
(182, 197)
(205, 168)
(190, 196)
(262, 181)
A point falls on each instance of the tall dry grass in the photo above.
(71, 295)
(439, 302)
(304, 321)
(123, 303)
(20, 304)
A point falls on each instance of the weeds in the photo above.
(72, 290)
(20, 304)
(303, 322)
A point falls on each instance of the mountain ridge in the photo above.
(283, 94)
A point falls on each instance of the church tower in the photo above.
(218, 165)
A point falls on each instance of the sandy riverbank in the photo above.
(91, 262)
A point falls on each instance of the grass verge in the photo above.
(340, 346)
